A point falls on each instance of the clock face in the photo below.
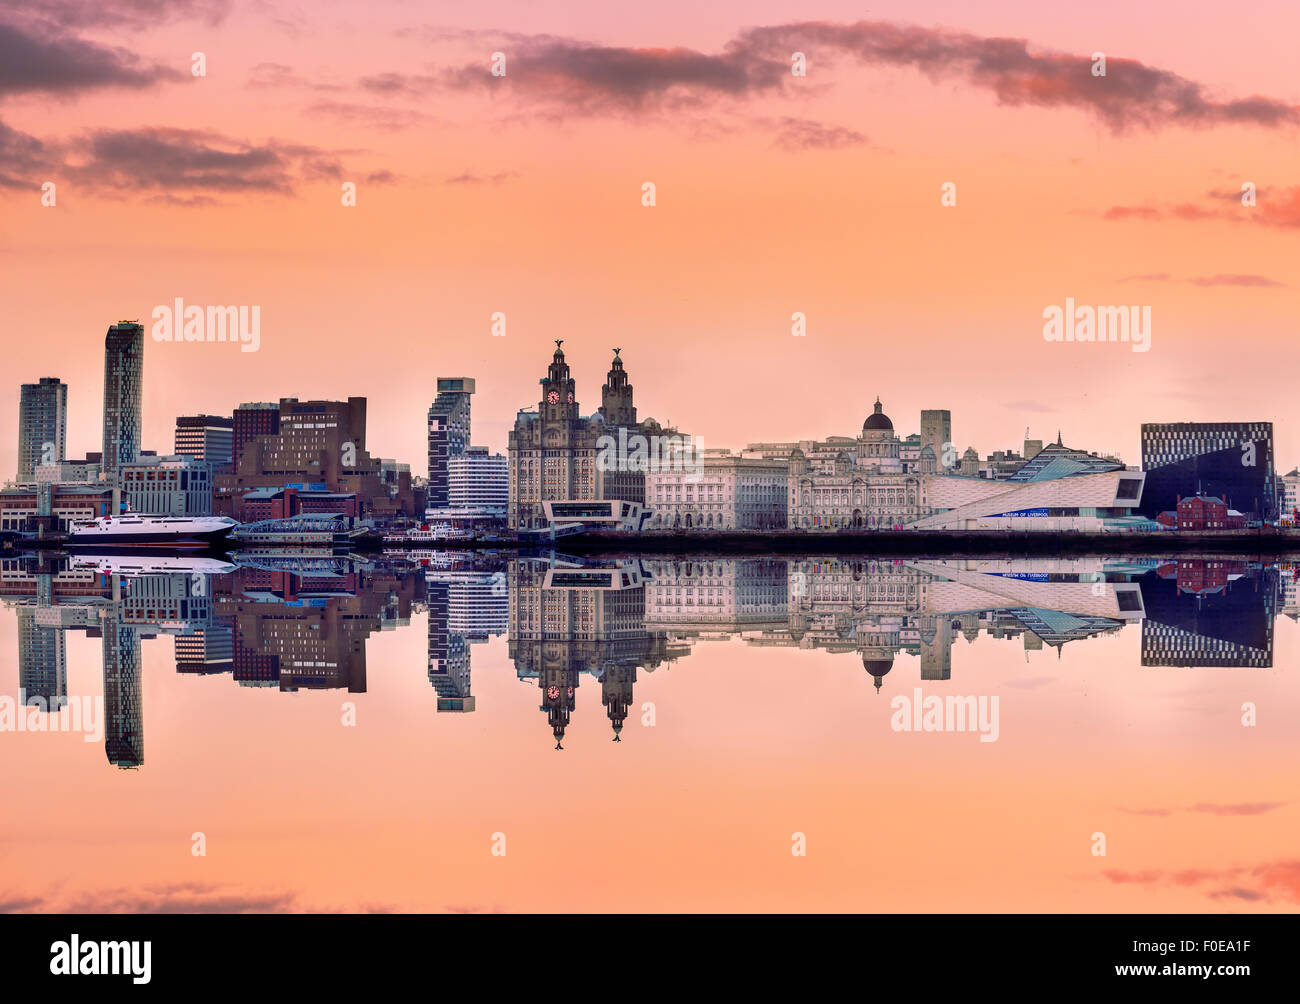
(552, 692)
(570, 399)
(552, 397)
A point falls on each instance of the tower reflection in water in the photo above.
(302, 622)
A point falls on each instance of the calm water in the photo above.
(489, 732)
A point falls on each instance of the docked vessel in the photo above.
(141, 563)
(428, 534)
(138, 529)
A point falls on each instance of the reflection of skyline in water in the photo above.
(296, 624)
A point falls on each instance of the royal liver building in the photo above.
(553, 450)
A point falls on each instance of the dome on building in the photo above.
(878, 421)
(876, 667)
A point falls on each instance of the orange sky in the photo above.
(775, 194)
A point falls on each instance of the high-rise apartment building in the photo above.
(449, 432)
(42, 426)
(123, 389)
(478, 479)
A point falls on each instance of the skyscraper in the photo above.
(448, 434)
(123, 386)
(42, 425)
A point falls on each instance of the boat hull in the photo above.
(181, 538)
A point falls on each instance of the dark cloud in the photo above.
(597, 79)
(1130, 94)
(36, 58)
(181, 162)
(1247, 894)
(588, 78)
(22, 159)
(126, 13)
(21, 904)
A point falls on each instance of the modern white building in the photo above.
(1092, 502)
(479, 479)
(477, 488)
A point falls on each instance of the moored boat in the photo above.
(142, 530)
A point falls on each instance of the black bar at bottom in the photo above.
(330, 952)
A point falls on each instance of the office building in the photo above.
(310, 446)
(205, 437)
(727, 492)
(173, 486)
(42, 426)
(123, 390)
(1230, 460)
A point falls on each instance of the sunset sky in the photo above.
(775, 194)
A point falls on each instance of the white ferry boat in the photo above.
(156, 531)
(146, 564)
(428, 533)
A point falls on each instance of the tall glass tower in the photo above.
(123, 387)
(42, 425)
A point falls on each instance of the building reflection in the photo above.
(294, 623)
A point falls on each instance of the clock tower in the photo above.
(558, 406)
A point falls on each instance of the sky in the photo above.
(775, 194)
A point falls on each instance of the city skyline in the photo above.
(213, 409)
(822, 199)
